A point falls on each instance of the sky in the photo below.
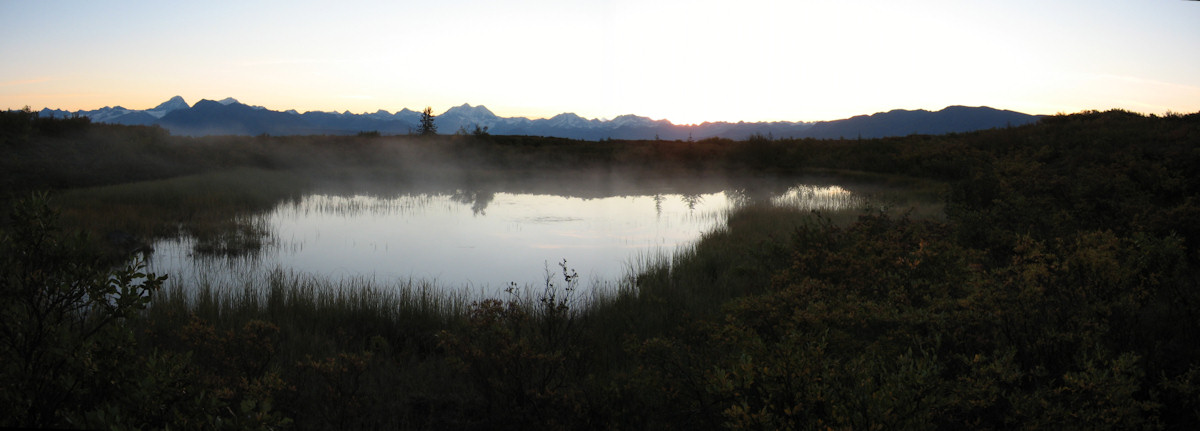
(687, 61)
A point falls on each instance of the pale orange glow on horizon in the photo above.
(687, 62)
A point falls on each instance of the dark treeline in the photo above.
(60, 153)
(1059, 292)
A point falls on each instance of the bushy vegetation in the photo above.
(1058, 292)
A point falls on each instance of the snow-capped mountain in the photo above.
(122, 115)
(172, 104)
(228, 116)
(164, 108)
(630, 120)
(381, 115)
(466, 117)
(570, 120)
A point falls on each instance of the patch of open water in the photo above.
(480, 240)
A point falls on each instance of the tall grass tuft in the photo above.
(318, 314)
(222, 211)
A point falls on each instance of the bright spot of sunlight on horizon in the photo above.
(685, 61)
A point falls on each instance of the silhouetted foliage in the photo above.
(16, 126)
(64, 348)
(427, 126)
(1059, 291)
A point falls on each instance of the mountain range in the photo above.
(230, 117)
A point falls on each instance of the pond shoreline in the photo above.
(486, 228)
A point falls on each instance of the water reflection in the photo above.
(485, 239)
(478, 200)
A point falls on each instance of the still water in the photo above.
(484, 241)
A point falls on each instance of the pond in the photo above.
(481, 240)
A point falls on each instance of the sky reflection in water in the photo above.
(478, 240)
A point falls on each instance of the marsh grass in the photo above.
(221, 217)
(317, 314)
(223, 211)
(665, 291)
(1107, 345)
(358, 204)
(387, 337)
(920, 198)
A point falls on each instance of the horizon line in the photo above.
(605, 119)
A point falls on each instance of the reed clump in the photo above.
(221, 211)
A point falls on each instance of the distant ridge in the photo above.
(230, 117)
(952, 119)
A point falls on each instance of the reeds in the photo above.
(221, 217)
(660, 285)
(317, 314)
(222, 211)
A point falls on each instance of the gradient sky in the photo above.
(682, 60)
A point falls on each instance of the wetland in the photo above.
(1042, 276)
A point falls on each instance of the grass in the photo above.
(660, 289)
(221, 210)
(221, 216)
(695, 280)
(388, 337)
(317, 314)
(673, 346)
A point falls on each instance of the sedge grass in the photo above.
(316, 314)
(222, 210)
(662, 291)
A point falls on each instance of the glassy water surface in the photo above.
(484, 240)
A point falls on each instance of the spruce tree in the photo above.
(427, 125)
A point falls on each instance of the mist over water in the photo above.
(481, 241)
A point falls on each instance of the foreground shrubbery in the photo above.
(70, 354)
(1059, 292)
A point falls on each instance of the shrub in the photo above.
(65, 343)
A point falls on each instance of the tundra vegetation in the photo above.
(1059, 290)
